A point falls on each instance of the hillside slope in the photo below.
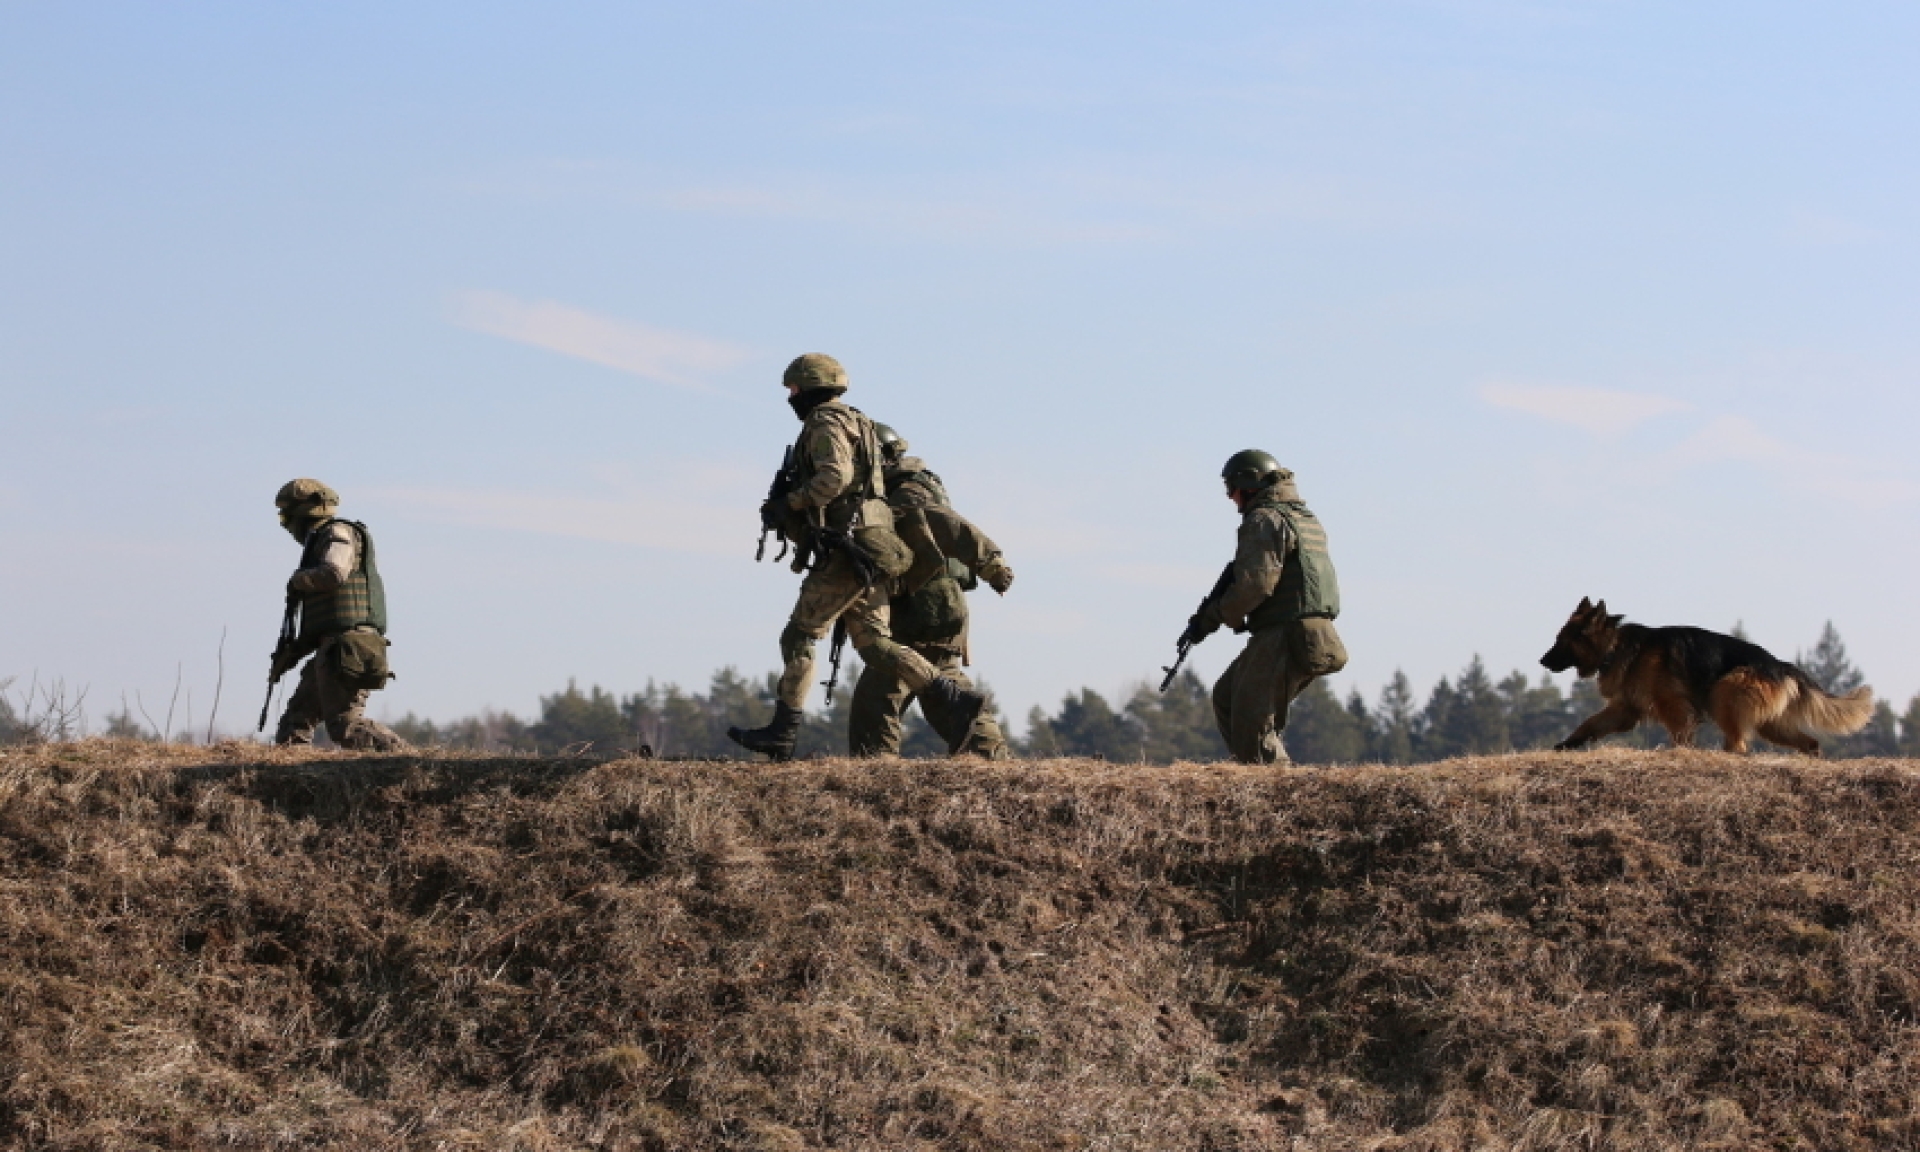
(240, 948)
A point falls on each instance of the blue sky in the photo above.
(1538, 300)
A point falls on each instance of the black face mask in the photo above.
(298, 522)
(805, 402)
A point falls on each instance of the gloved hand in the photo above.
(1199, 626)
(997, 574)
(285, 656)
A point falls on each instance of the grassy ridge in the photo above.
(239, 948)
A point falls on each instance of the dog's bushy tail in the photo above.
(1815, 710)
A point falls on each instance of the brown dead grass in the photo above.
(238, 948)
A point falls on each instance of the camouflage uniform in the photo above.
(929, 615)
(836, 512)
(840, 488)
(342, 623)
(1284, 594)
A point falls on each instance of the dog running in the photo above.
(1680, 676)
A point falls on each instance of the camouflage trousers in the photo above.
(832, 589)
(1251, 698)
(322, 698)
(880, 699)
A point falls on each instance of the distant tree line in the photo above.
(1467, 714)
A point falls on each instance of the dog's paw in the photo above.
(1563, 746)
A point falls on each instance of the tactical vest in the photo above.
(936, 615)
(361, 599)
(1307, 583)
(868, 482)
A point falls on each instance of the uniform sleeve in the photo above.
(958, 537)
(829, 447)
(338, 558)
(1264, 541)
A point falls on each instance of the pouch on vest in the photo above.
(935, 614)
(360, 659)
(877, 540)
(1317, 647)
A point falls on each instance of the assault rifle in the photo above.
(285, 655)
(773, 509)
(833, 655)
(1195, 632)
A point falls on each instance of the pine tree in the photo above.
(1394, 721)
(1177, 724)
(1828, 663)
(1320, 731)
(1088, 726)
(581, 719)
(1364, 723)
(1881, 736)
(1910, 729)
(1467, 720)
(1536, 715)
(1830, 668)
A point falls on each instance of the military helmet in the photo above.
(1250, 470)
(892, 444)
(296, 493)
(815, 370)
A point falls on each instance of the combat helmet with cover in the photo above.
(814, 371)
(893, 446)
(304, 503)
(1251, 470)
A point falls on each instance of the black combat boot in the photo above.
(959, 709)
(776, 740)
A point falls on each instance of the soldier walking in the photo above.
(835, 512)
(929, 609)
(343, 623)
(1284, 594)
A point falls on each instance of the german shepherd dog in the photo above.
(1680, 675)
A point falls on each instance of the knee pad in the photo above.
(795, 644)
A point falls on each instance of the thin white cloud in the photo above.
(1737, 439)
(1733, 438)
(1601, 411)
(680, 359)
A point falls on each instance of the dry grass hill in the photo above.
(240, 948)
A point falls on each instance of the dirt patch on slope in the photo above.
(237, 948)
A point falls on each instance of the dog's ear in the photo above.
(1586, 605)
(1600, 608)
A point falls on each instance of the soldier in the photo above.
(1284, 592)
(929, 607)
(343, 624)
(836, 513)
